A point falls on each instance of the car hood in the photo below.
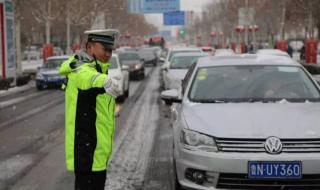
(177, 73)
(254, 120)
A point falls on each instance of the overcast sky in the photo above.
(186, 5)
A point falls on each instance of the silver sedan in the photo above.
(246, 123)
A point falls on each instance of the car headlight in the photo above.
(195, 140)
(137, 66)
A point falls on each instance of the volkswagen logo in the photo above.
(273, 145)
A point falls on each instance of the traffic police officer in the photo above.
(89, 110)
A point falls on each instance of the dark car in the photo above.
(48, 74)
(148, 55)
(133, 60)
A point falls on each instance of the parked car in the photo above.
(231, 132)
(121, 72)
(148, 55)
(48, 74)
(178, 67)
(175, 50)
(134, 62)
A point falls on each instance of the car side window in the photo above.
(187, 77)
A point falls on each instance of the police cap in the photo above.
(106, 37)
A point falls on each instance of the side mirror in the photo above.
(170, 96)
(125, 67)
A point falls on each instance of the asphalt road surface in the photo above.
(32, 140)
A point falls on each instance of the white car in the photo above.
(175, 50)
(171, 52)
(121, 72)
(178, 67)
(246, 123)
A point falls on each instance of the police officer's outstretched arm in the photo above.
(88, 78)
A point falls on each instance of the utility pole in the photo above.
(68, 30)
(48, 20)
(283, 19)
(246, 37)
(18, 46)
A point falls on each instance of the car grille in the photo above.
(241, 181)
(257, 145)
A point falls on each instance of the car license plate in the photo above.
(261, 169)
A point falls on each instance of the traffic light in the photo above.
(182, 32)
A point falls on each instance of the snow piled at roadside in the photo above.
(132, 148)
(16, 89)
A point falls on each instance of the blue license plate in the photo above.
(262, 169)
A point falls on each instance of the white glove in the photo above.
(111, 86)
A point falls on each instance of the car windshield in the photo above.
(53, 63)
(182, 62)
(128, 56)
(182, 51)
(252, 83)
(113, 62)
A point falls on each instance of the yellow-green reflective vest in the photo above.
(89, 117)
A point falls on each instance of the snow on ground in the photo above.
(132, 147)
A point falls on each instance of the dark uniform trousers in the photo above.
(90, 180)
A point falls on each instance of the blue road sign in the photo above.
(135, 6)
(174, 18)
(160, 6)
